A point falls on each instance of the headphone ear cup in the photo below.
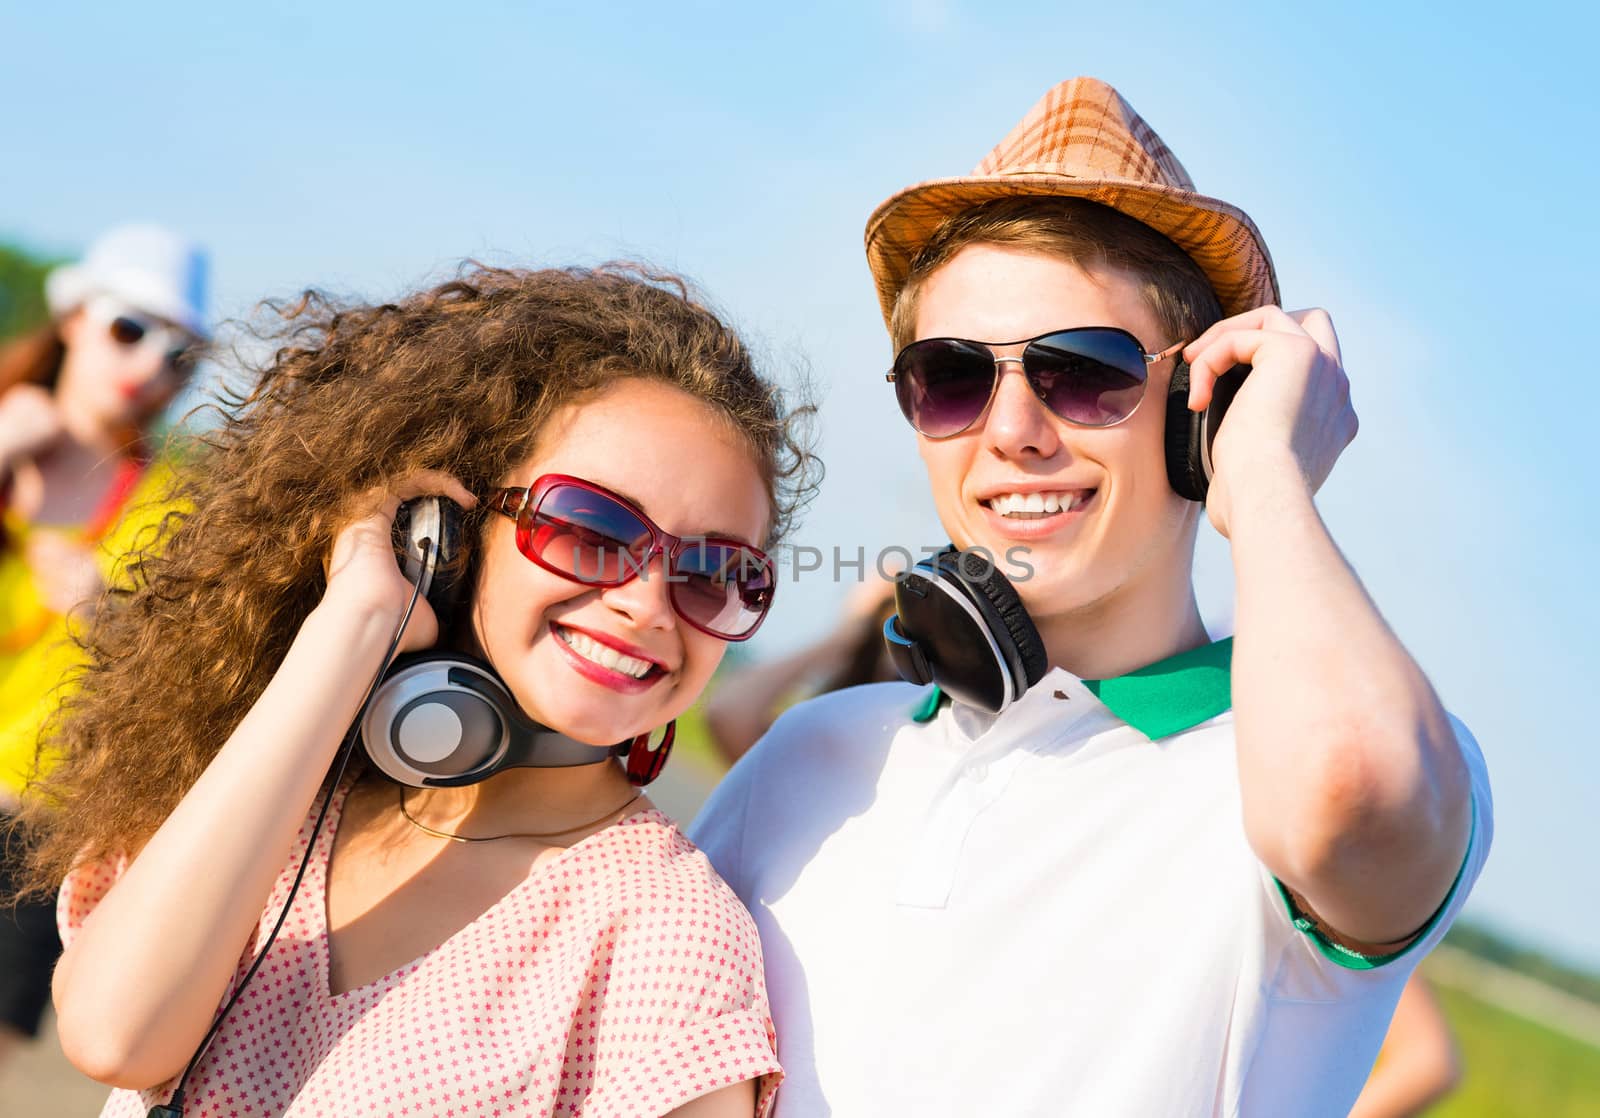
(1184, 439)
(423, 727)
(443, 572)
(1002, 607)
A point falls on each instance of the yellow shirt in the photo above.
(36, 649)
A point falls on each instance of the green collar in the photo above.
(1159, 699)
(1174, 694)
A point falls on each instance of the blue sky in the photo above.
(1430, 181)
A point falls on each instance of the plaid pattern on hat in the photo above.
(1082, 140)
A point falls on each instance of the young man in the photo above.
(1175, 877)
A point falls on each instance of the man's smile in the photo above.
(1036, 505)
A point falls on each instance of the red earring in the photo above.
(645, 763)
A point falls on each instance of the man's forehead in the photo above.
(998, 293)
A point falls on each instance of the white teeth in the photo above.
(604, 655)
(1034, 505)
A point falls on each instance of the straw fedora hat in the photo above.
(1082, 140)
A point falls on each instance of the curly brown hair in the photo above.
(460, 378)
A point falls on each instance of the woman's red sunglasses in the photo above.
(588, 534)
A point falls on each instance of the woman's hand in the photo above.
(135, 995)
(1292, 418)
(363, 572)
(30, 424)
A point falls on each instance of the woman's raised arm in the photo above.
(137, 988)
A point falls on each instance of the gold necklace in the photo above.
(427, 830)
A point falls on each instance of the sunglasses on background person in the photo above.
(590, 535)
(133, 329)
(1091, 376)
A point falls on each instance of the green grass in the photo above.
(1514, 1067)
(693, 744)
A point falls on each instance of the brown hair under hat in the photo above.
(1082, 140)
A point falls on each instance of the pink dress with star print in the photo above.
(620, 978)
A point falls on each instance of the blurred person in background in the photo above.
(78, 401)
(1418, 1064)
(746, 701)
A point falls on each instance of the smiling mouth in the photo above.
(1037, 506)
(605, 656)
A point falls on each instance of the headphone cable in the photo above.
(173, 1108)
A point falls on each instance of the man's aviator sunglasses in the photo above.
(1092, 376)
(587, 534)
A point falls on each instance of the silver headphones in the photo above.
(441, 719)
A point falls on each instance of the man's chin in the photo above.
(1056, 597)
(1057, 564)
(1055, 580)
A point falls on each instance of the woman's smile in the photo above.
(602, 659)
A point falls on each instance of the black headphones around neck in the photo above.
(959, 622)
(441, 719)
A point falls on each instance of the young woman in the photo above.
(78, 398)
(540, 942)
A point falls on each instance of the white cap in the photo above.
(151, 268)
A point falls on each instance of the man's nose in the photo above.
(1018, 423)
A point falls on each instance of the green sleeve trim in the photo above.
(1351, 959)
(927, 706)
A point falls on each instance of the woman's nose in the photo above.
(644, 599)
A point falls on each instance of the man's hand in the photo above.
(1292, 418)
(1354, 790)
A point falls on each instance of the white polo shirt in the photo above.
(1050, 912)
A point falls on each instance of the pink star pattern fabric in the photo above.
(621, 978)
